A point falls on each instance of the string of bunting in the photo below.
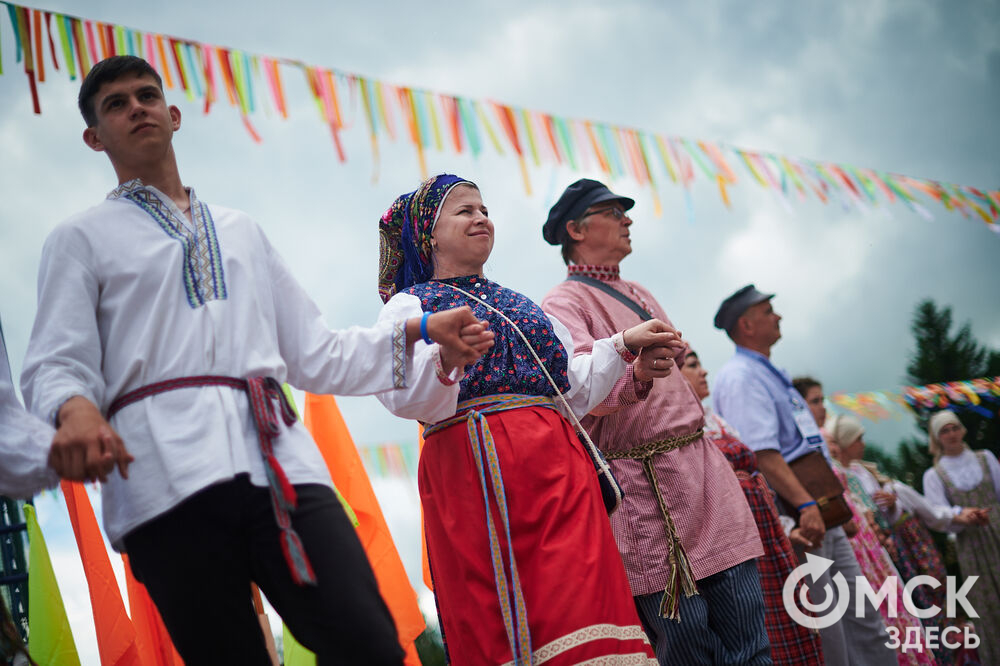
(390, 460)
(976, 395)
(254, 84)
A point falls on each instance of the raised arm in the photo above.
(356, 360)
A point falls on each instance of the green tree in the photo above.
(939, 356)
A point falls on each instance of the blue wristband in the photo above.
(805, 505)
(423, 328)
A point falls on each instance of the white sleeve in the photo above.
(934, 493)
(426, 397)
(351, 361)
(24, 442)
(994, 466)
(64, 354)
(591, 376)
(936, 516)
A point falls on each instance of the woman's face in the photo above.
(696, 375)
(463, 236)
(951, 437)
(855, 450)
(814, 400)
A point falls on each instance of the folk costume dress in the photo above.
(972, 479)
(523, 560)
(791, 643)
(915, 552)
(877, 566)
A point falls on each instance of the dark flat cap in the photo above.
(734, 306)
(577, 198)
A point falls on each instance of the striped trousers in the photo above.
(722, 624)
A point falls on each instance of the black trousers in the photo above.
(197, 562)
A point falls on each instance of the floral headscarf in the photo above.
(404, 235)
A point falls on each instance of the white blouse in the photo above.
(591, 376)
(965, 472)
(122, 304)
(24, 442)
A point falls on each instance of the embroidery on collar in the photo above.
(203, 275)
(603, 273)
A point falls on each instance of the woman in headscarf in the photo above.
(846, 442)
(524, 564)
(960, 478)
(791, 643)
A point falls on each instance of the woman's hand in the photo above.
(462, 337)
(652, 333)
(478, 336)
(971, 515)
(656, 344)
(885, 500)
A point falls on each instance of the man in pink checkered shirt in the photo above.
(685, 532)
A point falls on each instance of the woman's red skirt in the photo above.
(578, 602)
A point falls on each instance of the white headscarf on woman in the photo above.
(938, 421)
(843, 429)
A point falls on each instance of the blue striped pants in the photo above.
(722, 624)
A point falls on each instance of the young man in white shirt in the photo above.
(165, 330)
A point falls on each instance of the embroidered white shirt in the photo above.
(116, 312)
(24, 441)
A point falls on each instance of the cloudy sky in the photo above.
(908, 87)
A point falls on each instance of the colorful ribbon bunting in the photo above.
(445, 122)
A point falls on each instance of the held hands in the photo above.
(885, 500)
(972, 516)
(462, 337)
(85, 447)
(795, 536)
(657, 345)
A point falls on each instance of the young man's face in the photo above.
(134, 123)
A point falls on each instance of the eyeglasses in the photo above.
(615, 212)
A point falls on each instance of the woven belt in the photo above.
(681, 576)
(263, 392)
(473, 412)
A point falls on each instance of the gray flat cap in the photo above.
(734, 306)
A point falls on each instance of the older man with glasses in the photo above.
(685, 531)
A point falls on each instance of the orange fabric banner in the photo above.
(150, 634)
(116, 636)
(324, 421)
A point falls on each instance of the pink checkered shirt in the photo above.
(701, 491)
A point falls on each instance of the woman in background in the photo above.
(961, 477)
(791, 643)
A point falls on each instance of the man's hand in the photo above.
(795, 536)
(811, 524)
(657, 345)
(463, 338)
(653, 363)
(85, 447)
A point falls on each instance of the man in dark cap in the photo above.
(685, 532)
(760, 401)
